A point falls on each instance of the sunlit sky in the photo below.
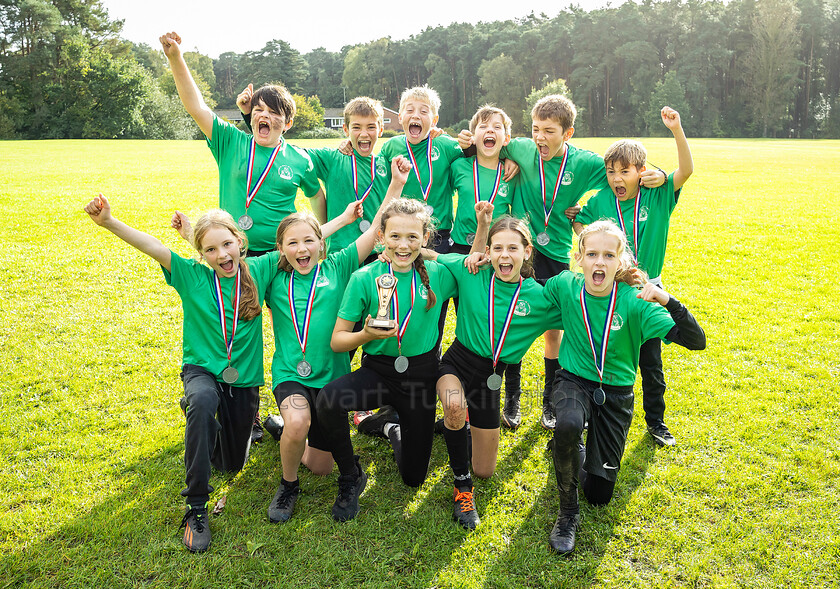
(217, 27)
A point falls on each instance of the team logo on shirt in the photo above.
(322, 280)
(522, 309)
(423, 292)
(643, 214)
(568, 178)
(435, 153)
(381, 169)
(617, 322)
(503, 189)
(285, 172)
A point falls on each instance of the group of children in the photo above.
(504, 259)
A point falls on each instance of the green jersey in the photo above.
(336, 171)
(655, 206)
(584, 172)
(326, 365)
(464, 182)
(292, 169)
(634, 321)
(444, 150)
(204, 342)
(421, 332)
(532, 315)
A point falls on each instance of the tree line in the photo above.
(745, 68)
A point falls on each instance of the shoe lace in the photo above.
(346, 489)
(465, 500)
(199, 515)
(286, 496)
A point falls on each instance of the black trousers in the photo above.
(653, 381)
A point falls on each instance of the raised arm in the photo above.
(99, 210)
(187, 89)
(400, 167)
(671, 119)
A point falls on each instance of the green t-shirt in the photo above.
(336, 170)
(655, 208)
(634, 321)
(292, 169)
(204, 344)
(464, 183)
(532, 316)
(445, 150)
(332, 280)
(584, 172)
(361, 298)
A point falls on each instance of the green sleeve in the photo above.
(519, 149)
(321, 161)
(309, 181)
(354, 304)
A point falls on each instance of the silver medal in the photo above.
(429, 209)
(304, 368)
(470, 238)
(364, 225)
(401, 364)
(543, 238)
(230, 375)
(599, 396)
(494, 382)
(245, 222)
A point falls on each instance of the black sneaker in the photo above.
(511, 414)
(281, 507)
(256, 430)
(197, 532)
(372, 424)
(661, 434)
(464, 511)
(547, 420)
(273, 424)
(350, 487)
(562, 536)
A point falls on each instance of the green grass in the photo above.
(92, 436)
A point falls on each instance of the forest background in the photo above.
(737, 69)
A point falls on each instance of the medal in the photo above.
(636, 209)
(416, 168)
(547, 209)
(249, 170)
(401, 364)
(364, 225)
(245, 222)
(304, 368)
(470, 238)
(230, 375)
(355, 173)
(494, 381)
(429, 209)
(599, 396)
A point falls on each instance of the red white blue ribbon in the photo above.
(356, 177)
(546, 208)
(496, 184)
(416, 168)
(220, 305)
(605, 334)
(395, 306)
(250, 170)
(636, 209)
(497, 345)
(302, 333)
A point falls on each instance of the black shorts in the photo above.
(460, 248)
(545, 267)
(286, 389)
(608, 423)
(442, 241)
(472, 370)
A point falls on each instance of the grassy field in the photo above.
(92, 436)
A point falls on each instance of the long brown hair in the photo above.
(412, 208)
(249, 302)
(508, 223)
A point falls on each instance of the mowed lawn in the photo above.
(92, 436)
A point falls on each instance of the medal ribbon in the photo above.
(304, 337)
(546, 208)
(250, 170)
(636, 210)
(356, 177)
(395, 306)
(416, 168)
(491, 312)
(605, 336)
(220, 305)
(496, 184)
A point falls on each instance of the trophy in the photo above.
(385, 286)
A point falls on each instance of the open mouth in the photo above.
(364, 145)
(620, 191)
(598, 277)
(543, 149)
(505, 269)
(402, 258)
(227, 266)
(415, 130)
(489, 142)
(304, 261)
(263, 129)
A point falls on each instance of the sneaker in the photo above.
(256, 430)
(281, 507)
(464, 511)
(273, 424)
(197, 532)
(562, 536)
(511, 414)
(547, 420)
(359, 416)
(372, 424)
(661, 434)
(350, 487)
